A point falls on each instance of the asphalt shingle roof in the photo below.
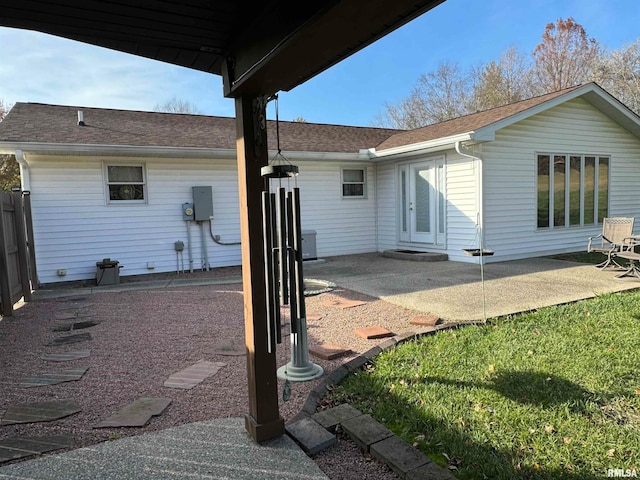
(41, 123)
(467, 123)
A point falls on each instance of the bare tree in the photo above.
(9, 168)
(300, 119)
(499, 83)
(619, 73)
(565, 57)
(438, 96)
(176, 105)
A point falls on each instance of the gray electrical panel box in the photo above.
(202, 203)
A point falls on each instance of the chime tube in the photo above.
(291, 257)
(274, 269)
(282, 247)
(272, 310)
(296, 227)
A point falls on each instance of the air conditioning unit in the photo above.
(309, 251)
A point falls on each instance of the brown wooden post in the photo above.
(263, 421)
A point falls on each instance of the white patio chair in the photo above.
(614, 239)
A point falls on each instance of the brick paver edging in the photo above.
(336, 376)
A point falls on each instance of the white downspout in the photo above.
(25, 177)
(465, 152)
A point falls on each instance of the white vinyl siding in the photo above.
(74, 228)
(462, 205)
(510, 209)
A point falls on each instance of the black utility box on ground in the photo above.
(107, 272)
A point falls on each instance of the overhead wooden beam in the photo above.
(263, 420)
(286, 59)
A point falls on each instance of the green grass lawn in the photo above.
(548, 395)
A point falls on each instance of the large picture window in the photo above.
(573, 190)
(125, 183)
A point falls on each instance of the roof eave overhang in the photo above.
(431, 146)
(89, 150)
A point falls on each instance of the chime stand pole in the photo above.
(263, 421)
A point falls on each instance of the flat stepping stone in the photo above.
(65, 357)
(39, 412)
(371, 333)
(77, 338)
(328, 351)
(314, 317)
(426, 320)
(44, 379)
(67, 327)
(193, 375)
(71, 315)
(136, 414)
(398, 455)
(19, 447)
(344, 303)
(77, 305)
(228, 348)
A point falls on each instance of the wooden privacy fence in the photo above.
(17, 255)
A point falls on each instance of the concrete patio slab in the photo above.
(66, 356)
(454, 291)
(14, 448)
(136, 414)
(216, 449)
(39, 412)
(54, 378)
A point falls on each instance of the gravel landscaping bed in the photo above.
(145, 336)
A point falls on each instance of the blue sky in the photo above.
(39, 68)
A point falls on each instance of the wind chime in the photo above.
(283, 265)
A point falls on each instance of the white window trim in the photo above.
(105, 181)
(364, 183)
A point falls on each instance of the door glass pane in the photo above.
(422, 206)
(589, 189)
(559, 169)
(603, 188)
(574, 190)
(403, 199)
(543, 191)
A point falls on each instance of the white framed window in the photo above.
(354, 183)
(572, 189)
(125, 183)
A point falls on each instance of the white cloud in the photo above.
(35, 67)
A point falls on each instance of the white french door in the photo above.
(422, 206)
